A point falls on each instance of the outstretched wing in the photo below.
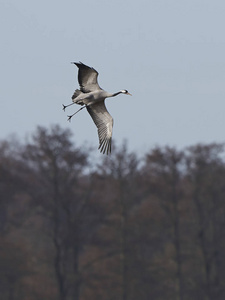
(104, 123)
(87, 78)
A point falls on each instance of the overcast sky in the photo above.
(169, 54)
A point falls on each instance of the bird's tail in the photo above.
(76, 94)
(77, 97)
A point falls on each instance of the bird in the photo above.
(92, 96)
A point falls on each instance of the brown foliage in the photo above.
(132, 228)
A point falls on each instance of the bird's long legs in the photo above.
(65, 106)
(69, 117)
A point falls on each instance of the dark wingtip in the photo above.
(105, 146)
(77, 64)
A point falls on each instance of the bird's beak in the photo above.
(129, 94)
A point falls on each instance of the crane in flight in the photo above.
(91, 96)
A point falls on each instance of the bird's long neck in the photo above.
(115, 94)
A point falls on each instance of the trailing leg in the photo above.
(69, 117)
(65, 106)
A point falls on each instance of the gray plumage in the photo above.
(93, 97)
(87, 78)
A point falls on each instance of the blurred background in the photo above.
(148, 221)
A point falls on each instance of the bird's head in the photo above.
(125, 92)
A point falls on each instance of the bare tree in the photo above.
(58, 166)
(206, 174)
(121, 170)
(164, 172)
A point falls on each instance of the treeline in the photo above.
(125, 228)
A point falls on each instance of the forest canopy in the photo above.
(131, 227)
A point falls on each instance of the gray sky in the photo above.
(169, 54)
